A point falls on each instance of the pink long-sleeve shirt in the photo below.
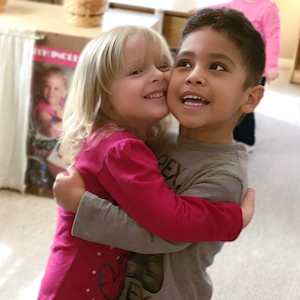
(265, 18)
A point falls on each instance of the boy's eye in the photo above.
(184, 64)
(217, 67)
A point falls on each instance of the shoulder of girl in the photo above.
(122, 140)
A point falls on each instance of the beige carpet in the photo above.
(264, 262)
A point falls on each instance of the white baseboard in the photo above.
(285, 63)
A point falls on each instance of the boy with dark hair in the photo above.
(215, 81)
(265, 17)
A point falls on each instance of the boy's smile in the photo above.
(206, 87)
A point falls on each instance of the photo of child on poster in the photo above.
(52, 73)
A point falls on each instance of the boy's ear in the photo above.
(255, 94)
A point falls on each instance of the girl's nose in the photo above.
(156, 75)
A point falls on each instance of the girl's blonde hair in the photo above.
(88, 105)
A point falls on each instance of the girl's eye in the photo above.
(164, 68)
(184, 64)
(217, 67)
(136, 72)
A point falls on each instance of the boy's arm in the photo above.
(120, 230)
(94, 213)
(100, 221)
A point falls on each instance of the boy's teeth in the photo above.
(194, 103)
(190, 100)
(193, 97)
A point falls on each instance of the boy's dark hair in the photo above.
(239, 30)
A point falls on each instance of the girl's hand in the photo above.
(68, 189)
(59, 112)
(247, 207)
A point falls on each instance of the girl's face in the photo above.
(54, 89)
(139, 93)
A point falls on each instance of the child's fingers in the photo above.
(72, 170)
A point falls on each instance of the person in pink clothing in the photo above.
(116, 100)
(49, 111)
(265, 18)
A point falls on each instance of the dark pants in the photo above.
(245, 131)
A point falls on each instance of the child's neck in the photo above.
(55, 105)
(210, 136)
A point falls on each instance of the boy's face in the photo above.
(206, 87)
(54, 89)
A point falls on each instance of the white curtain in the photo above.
(16, 61)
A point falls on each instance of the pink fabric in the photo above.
(78, 269)
(123, 168)
(265, 18)
(43, 105)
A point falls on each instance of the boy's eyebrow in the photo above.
(187, 53)
(223, 56)
(211, 55)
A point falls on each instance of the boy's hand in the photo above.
(68, 189)
(247, 207)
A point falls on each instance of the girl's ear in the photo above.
(255, 94)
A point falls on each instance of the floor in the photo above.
(268, 247)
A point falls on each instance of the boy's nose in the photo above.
(196, 77)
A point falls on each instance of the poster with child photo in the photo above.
(52, 73)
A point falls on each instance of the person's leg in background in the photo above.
(244, 132)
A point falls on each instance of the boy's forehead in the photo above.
(210, 42)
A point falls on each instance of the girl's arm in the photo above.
(193, 216)
(121, 230)
(131, 176)
(100, 221)
(44, 118)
